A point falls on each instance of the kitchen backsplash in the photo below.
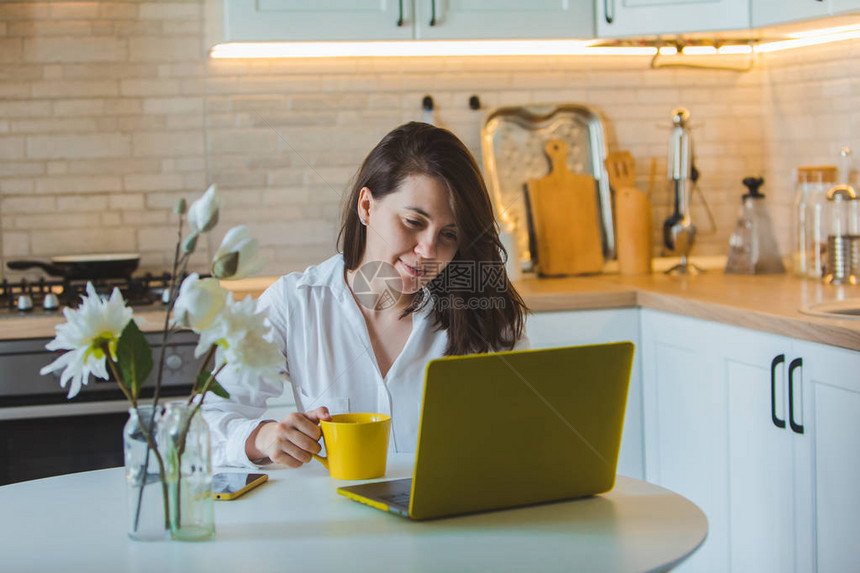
(111, 111)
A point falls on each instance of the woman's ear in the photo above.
(365, 202)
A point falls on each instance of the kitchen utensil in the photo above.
(513, 140)
(632, 215)
(678, 229)
(85, 267)
(565, 218)
(842, 231)
(752, 247)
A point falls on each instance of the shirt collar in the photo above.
(328, 273)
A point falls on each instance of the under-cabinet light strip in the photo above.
(404, 48)
(507, 47)
(806, 41)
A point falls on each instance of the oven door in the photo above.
(46, 446)
(42, 433)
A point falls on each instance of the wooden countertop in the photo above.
(769, 303)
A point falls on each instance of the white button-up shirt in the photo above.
(319, 327)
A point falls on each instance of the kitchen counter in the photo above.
(769, 303)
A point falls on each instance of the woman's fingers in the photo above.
(320, 414)
(292, 440)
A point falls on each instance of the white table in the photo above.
(297, 522)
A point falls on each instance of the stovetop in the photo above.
(47, 297)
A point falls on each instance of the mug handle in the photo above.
(321, 459)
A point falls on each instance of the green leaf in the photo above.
(214, 386)
(134, 357)
(200, 382)
(218, 390)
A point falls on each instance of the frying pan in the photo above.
(84, 267)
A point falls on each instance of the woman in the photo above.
(420, 276)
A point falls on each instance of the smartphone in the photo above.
(230, 486)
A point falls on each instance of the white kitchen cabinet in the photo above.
(844, 6)
(354, 20)
(834, 376)
(763, 433)
(508, 19)
(685, 402)
(574, 328)
(770, 12)
(299, 20)
(616, 18)
(770, 427)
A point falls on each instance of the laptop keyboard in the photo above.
(401, 499)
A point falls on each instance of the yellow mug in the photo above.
(356, 445)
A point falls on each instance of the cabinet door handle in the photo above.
(776, 362)
(400, 17)
(795, 364)
(432, 12)
(606, 15)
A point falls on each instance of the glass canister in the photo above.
(147, 493)
(810, 206)
(188, 469)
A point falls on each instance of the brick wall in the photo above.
(110, 111)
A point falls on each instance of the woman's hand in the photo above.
(289, 442)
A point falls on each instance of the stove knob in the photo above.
(25, 302)
(173, 361)
(51, 302)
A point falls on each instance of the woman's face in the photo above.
(412, 229)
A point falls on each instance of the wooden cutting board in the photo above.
(632, 215)
(565, 217)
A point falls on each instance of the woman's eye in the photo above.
(450, 236)
(413, 223)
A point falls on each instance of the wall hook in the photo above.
(474, 102)
(427, 103)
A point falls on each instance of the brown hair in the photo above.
(486, 318)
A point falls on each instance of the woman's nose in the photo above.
(426, 247)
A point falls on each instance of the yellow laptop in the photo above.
(512, 429)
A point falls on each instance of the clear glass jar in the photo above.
(188, 470)
(147, 493)
(810, 220)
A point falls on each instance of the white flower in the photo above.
(94, 323)
(236, 258)
(241, 334)
(199, 302)
(203, 213)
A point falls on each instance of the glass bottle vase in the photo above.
(147, 493)
(188, 471)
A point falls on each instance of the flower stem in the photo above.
(116, 374)
(151, 447)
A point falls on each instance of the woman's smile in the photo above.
(414, 271)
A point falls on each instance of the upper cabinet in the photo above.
(617, 18)
(843, 6)
(503, 19)
(299, 20)
(769, 12)
(345, 20)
